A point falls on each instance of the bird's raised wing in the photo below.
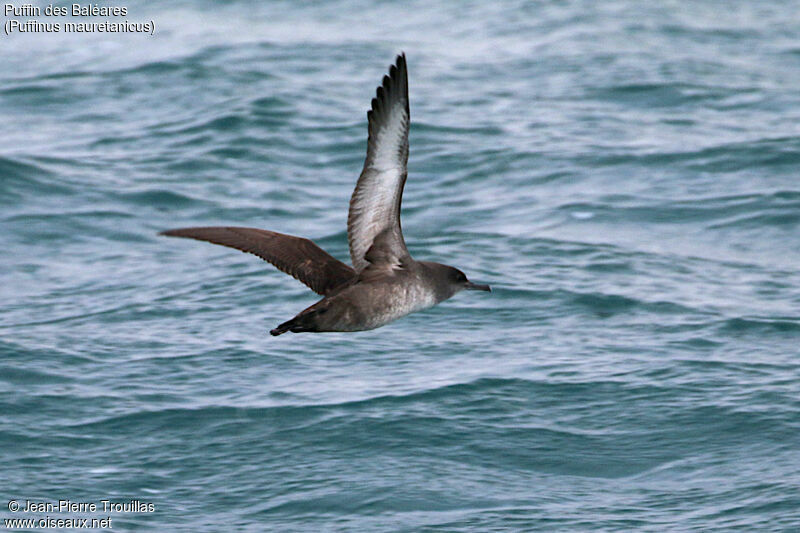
(375, 204)
(298, 257)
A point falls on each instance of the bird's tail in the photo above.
(305, 321)
(280, 330)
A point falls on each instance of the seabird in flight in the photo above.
(385, 282)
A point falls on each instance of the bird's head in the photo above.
(451, 280)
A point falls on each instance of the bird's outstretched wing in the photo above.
(298, 257)
(375, 204)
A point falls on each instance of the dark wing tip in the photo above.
(399, 73)
(190, 233)
(393, 87)
(400, 63)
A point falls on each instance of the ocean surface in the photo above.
(626, 176)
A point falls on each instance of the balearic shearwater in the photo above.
(384, 283)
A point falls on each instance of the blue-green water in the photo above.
(626, 177)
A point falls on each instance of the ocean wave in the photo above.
(722, 158)
(773, 208)
(757, 325)
(23, 178)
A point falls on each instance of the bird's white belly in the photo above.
(401, 301)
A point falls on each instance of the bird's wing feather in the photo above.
(375, 204)
(298, 257)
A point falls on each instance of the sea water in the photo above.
(625, 175)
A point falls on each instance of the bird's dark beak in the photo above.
(477, 287)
